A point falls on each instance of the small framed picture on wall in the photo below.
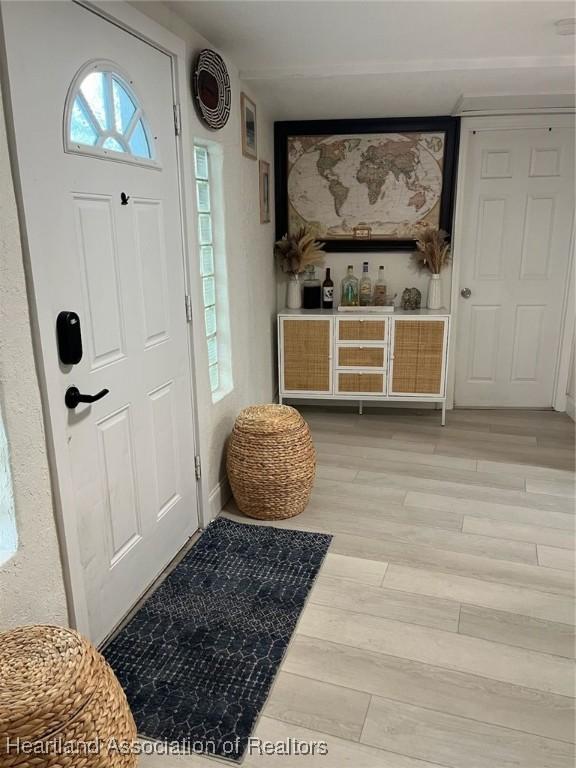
(264, 192)
(249, 131)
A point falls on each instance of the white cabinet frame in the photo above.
(387, 344)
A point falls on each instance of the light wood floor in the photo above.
(440, 632)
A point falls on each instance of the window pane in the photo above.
(112, 144)
(105, 114)
(209, 291)
(123, 107)
(206, 260)
(81, 130)
(210, 320)
(139, 143)
(205, 229)
(214, 377)
(203, 196)
(93, 90)
(201, 162)
(212, 350)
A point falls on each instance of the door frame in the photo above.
(148, 31)
(468, 126)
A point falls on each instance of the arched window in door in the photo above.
(105, 118)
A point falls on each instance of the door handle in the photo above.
(74, 397)
(465, 293)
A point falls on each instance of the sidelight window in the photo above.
(212, 272)
(8, 535)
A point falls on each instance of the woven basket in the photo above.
(271, 462)
(56, 689)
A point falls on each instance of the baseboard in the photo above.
(570, 406)
(218, 498)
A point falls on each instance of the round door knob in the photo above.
(465, 293)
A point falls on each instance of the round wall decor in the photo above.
(211, 87)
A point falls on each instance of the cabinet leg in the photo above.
(280, 399)
(444, 413)
(360, 407)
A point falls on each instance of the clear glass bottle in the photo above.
(365, 287)
(380, 289)
(349, 296)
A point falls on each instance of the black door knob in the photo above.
(74, 397)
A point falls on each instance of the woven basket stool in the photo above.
(271, 462)
(58, 692)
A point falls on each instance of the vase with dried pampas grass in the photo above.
(296, 252)
(432, 255)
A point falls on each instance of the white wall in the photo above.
(31, 582)
(398, 270)
(251, 271)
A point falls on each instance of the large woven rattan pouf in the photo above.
(60, 704)
(271, 462)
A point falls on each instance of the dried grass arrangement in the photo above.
(433, 251)
(298, 251)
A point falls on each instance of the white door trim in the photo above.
(121, 15)
(468, 126)
(566, 335)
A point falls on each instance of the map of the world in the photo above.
(382, 186)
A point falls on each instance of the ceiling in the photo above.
(360, 58)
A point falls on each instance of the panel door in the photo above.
(418, 357)
(518, 203)
(125, 465)
(306, 355)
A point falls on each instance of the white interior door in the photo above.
(125, 464)
(516, 220)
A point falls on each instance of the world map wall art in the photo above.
(365, 184)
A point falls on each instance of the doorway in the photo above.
(516, 220)
(98, 168)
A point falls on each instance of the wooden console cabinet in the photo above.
(342, 356)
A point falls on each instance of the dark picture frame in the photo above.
(283, 130)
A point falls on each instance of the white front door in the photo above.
(100, 193)
(516, 223)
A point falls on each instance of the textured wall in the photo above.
(251, 273)
(31, 584)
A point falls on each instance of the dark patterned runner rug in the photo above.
(198, 659)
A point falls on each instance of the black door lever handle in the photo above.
(73, 397)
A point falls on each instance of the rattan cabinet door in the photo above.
(418, 357)
(306, 358)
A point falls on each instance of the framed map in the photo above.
(365, 184)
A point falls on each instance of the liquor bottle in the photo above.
(349, 297)
(328, 291)
(365, 287)
(380, 289)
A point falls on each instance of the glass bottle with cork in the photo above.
(312, 293)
